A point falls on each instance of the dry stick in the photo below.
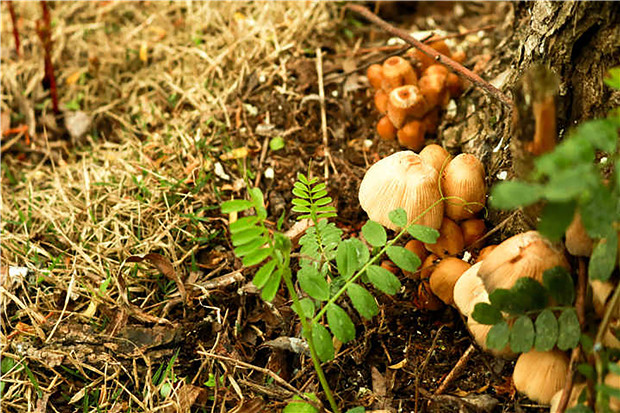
(319, 72)
(15, 31)
(580, 304)
(44, 30)
(429, 51)
(460, 365)
(424, 364)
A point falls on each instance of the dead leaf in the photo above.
(77, 123)
(379, 386)
(73, 77)
(293, 344)
(144, 52)
(164, 266)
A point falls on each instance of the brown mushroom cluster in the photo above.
(411, 96)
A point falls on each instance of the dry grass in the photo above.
(142, 180)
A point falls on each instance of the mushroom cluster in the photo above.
(411, 96)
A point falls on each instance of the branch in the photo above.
(429, 51)
(15, 30)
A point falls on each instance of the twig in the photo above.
(263, 155)
(429, 51)
(44, 30)
(319, 72)
(15, 31)
(580, 304)
(460, 365)
(424, 364)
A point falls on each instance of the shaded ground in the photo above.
(172, 90)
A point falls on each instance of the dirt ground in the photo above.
(183, 100)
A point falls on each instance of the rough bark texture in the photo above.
(578, 42)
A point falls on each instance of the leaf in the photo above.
(363, 301)
(350, 256)
(571, 183)
(277, 143)
(398, 217)
(613, 78)
(242, 224)
(246, 236)
(340, 323)
(271, 286)
(263, 274)
(256, 257)
(513, 194)
(374, 233)
(559, 285)
(531, 293)
(323, 343)
(383, 280)
(498, 336)
(358, 409)
(235, 205)
(522, 335)
(505, 300)
(423, 233)
(403, 258)
(603, 257)
(298, 405)
(300, 202)
(250, 246)
(300, 193)
(598, 211)
(164, 266)
(307, 307)
(580, 408)
(602, 133)
(546, 331)
(319, 187)
(484, 313)
(569, 329)
(313, 283)
(555, 218)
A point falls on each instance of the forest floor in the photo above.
(188, 103)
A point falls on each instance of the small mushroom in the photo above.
(433, 87)
(524, 255)
(469, 291)
(428, 266)
(578, 242)
(411, 135)
(405, 101)
(601, 290)
(436, 156)
(385, 129)
(431, 121)
(539, 375)
(450, 241)
(417, 247)
(426, 300)
(576, 391)
(402, 180)
(397, 72)
(390, 266)
(484, 252)
(445, 276)
(463, 178)
(374, 73)
(473, 230)
(381, 101)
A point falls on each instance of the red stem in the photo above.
(15, 32)
(44, 30)
(429, 51)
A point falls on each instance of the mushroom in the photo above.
(385, 129)
(601, 290)
(463, 178)
(578, 242)
(539, 375)
(402, 180)
(469, 291)
(374, 73)
(405, 101)
(425, 299)
(431, 121)
(417, 247)
(428, 266)
(411, 135)
(445, 276)
(426, 61)
(480, 333)
(450, 241)
(397, 72)
(484, 252)
(381, 101)
(473, 230)
(432, 84)
(436, 156)
(573, 398)
(524, 255)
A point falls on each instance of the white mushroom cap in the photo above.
(463, 177)
(469, 290)
(402, 180)
(539, 375)
(572, 401)
(525, 255)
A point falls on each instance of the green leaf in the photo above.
(555, 218)
(340, 323)
(319, 187)
(302, 178)
(298, 405)
(602, 133)
(569, 329)
(522, 335)
(351, 255)
(398, 217)
(313, 283)
(423, 233)
(271, 286)
(598, 211)
(571, 183)
(498, 336)
(513, 194)
(580, 408)
(300, 193)
(250, 246)
(587, 371)
(301, 209)
(546, 331)
(505, 300)
(531, 293)
(614, 368)
(559, 285)
(256, 257)
(374, 233)
(323, 201)
(358, 409)
(235, 205)
(613, 78)
(363, 301)
(242, 224)
(246, 236)
(572, 151)
(484, 313)
(277, 143)
(263, 274)
(300, 202)
(403, 258)
(603, 257)
(307, 307)
(323, 343)
(609, 390)
(383, 279)
(319, 195)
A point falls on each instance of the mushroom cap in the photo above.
(539, 375)
(450, 241)
(473, 230)
(601, 290)
(436, 156)
(402, 180)
(524, 255)
(464, 178)
(469, 290)
(480, 332)
(573, 399)
(578, 242)
(445, 276)
(398, 72)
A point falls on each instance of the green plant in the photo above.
(329, 267)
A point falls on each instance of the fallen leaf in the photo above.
(73, 77)
(164, 266)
